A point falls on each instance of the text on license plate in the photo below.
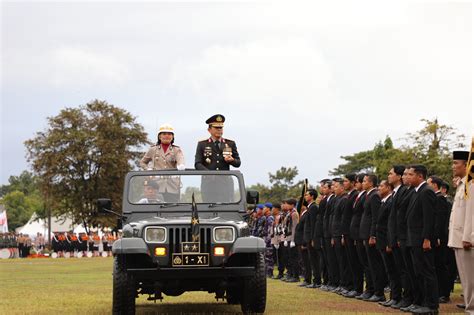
(183, 260)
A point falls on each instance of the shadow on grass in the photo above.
(188, 308)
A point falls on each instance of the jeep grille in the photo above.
(183, 234)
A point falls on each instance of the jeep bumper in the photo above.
(190, 273)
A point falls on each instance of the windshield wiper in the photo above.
(170, 205)
(215, 204)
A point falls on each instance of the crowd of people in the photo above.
(63, 244)
(392, 234)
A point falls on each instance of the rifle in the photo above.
(303, 192)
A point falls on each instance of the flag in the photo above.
(469, 168)
(195, 232)
(3, 222)
(303, 192)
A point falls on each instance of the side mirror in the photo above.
(252, 196)
(104, 204)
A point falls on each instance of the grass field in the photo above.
(84, 286)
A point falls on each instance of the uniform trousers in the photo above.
(425, 276)
(356, 268)
(362, 254)
(333, 269)
(393, 275)
(377, 270)
(398, 254)
(314, 258)
(342, 263)
(280, 253)
(304, 253)
(293, 263)
(441, 265)
(465, 263)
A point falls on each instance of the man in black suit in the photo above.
(354, 268)
(441, 250)
(421, 239)
(368, 225)
(357, 211)
(336, 228)
(381, 231)
(313, 237)
(394, 246)
(302, 244)
(330, 255)
(318, 233)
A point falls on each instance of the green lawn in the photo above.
(84, 286)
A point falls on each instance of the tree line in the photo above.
(85, 152)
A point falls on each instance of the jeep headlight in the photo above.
(155, 234)
(224, 235)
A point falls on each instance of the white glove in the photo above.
(292, 244)
(285, 243)
(277, 246)
(180, 167)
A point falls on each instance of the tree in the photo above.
(282, 187)
(21, 198)
(430, 146)
(84, 155)
(20, 207)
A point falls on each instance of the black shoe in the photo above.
(352, 294)
(424, 310)
(461, 306)
(304, 284)
(313, 286)
(388, 303)
(337, 290)
(444, 299)
(343, 292)
(364, 296)
(409, 308)
(324, 288)
(293, 280)
(376, 298)
(401, 304)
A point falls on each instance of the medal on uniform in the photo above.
(208, 154)
(227, 151)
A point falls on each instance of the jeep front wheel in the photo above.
(124, 291)
(254, 295)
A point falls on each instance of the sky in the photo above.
(299, 85)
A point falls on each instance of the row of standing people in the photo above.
(393, 233)
(71, 243)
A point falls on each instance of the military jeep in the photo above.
(186, 231)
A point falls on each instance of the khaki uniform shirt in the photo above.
(461, 220)
(157, 159)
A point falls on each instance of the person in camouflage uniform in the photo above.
(267, 237)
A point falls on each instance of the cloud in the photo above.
(78, 66)
(272, 72)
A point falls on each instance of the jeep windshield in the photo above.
(173, 190)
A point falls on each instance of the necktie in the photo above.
(217, 145)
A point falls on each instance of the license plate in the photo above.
(188, 260)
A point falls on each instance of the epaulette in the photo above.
(227, 140)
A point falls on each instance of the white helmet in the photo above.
(166, 128)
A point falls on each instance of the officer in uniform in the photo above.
(165, 155)
(216, 153)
